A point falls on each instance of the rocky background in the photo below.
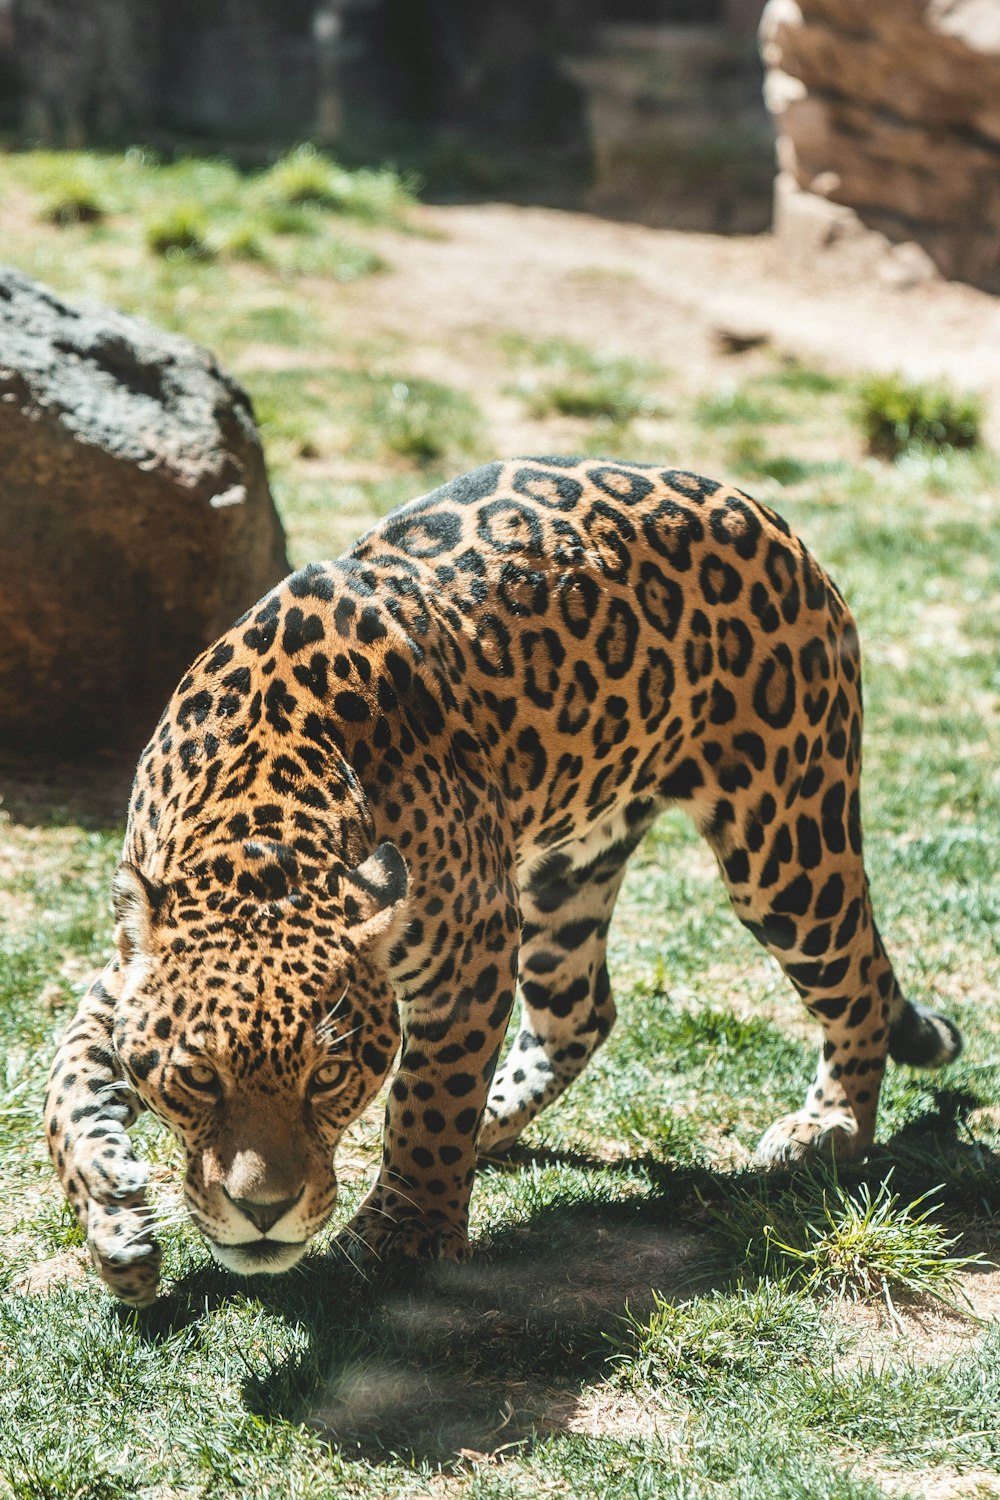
(888, 116)
(644, 109)
(887, 111)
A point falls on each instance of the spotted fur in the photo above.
(412, 777)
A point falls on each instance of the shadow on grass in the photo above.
(90, 791)
(441, 1362)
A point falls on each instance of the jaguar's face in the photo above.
(256, 1043)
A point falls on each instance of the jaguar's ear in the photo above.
(134, 900)
(374, 894)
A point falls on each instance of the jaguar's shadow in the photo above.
(442, 1361)
(445, 1360)
(451, 1360)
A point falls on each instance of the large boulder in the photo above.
(888, 117)
(136, 518)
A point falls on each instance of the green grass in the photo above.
(404, 416)
(154, 236)
(700, 1343)
(424, 421)
(609, 394)
(749, 459)
(801, 380)
(733, 405)
(897, 417)
(853, 1240)
(646, 1315)
(307, 176)
(72, 202)
(182, 231)
(562, 378)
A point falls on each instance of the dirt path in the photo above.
(662, 295)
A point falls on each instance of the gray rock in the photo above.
(136, 518)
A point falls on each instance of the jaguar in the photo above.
(405, 786)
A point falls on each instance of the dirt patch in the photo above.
(68, 1268)
(922, 1331)
(613, 1267)
(981, 1290)
(483, 1331)
(654, 294)
(972, 1484)
(606, 1412)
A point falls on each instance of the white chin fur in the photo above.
(246, 1260)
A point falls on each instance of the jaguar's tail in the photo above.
(922, 1038)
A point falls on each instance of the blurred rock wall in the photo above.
(77, 71)
(677, 122)
(646, 109)
(888, 119)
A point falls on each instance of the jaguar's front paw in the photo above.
(797, 1139)
(110, 1170)
(124, 1250)
(371, 1239)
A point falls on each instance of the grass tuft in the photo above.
(74, 201)
(819, 1235)
(698, 1342)
(305, 177)
(301, 176)
(867, 1246)
(898, 418)
(181, 231)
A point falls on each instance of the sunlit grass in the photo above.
(142, 234)
(733, 404)
(182, 231)
(307, 176)
(562, 378)
(853, 1240)
(700, 1343)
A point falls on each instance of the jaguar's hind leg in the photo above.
(798, 883)
(566, 1004)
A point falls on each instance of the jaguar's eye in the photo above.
(329, 1077)
(201, 1077)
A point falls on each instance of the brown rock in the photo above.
(136, 518)
(890, 110)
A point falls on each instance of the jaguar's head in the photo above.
(257, 1030)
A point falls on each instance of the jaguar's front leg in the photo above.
(88, 1109)
(452, 1034)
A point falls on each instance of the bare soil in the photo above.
(661, 295)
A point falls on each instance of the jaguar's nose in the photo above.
(264, 1215)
